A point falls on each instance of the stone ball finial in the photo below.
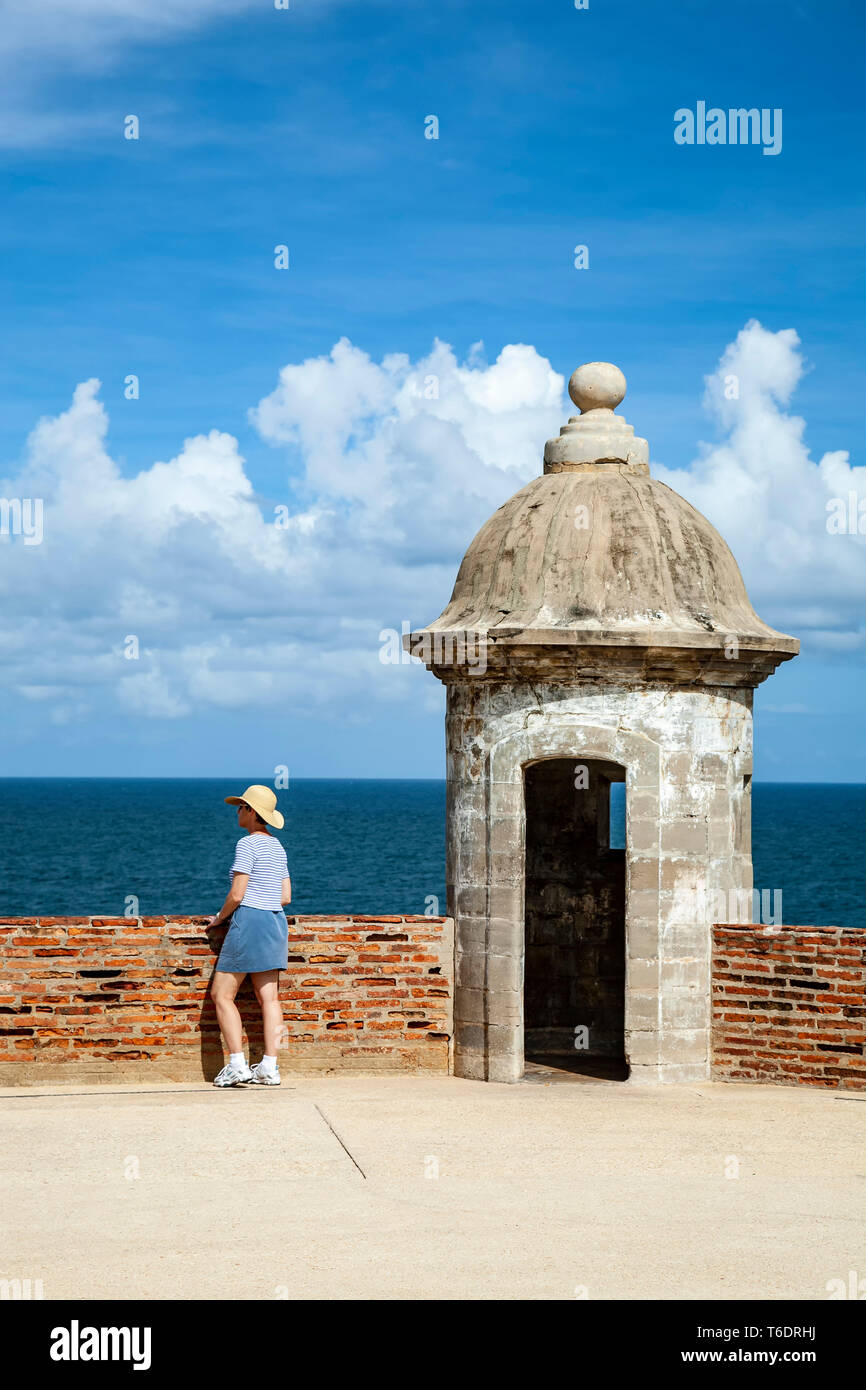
(597, 385)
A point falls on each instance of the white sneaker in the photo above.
(260, 1077)
(232, 1076)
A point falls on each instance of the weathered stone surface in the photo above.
(642, 975)
(643, 835)
(642, 1046)
(470, 969)
(684, 837)
(686, 1011)
(680, 1045)
(643, 1010)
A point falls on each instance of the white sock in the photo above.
(269, 1064)
(237, 1059)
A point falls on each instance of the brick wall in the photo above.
(113, 999)
(119, 998)
(789, 1005)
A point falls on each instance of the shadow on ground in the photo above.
(542, 1068)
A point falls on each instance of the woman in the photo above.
(257, 942)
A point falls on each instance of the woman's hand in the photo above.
(212, 921)
(233, 901)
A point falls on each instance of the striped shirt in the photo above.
(264, 859)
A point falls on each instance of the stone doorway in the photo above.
(574, 922)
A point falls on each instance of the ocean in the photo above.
(85, 847)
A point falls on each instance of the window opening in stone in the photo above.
(616, 822)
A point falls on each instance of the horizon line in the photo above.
(78, 777)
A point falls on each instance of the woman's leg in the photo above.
(267, 984)
(224, 987)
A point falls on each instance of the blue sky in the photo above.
(306, 127)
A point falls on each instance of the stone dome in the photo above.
(596, 554)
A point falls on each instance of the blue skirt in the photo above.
(256, 940)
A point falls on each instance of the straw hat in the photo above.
(263, 801)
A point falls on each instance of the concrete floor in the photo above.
(432, 1187)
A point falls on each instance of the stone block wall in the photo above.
(84, 998)
(789, 1005)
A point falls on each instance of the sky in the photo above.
(225, 538)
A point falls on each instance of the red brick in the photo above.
(796, 1045)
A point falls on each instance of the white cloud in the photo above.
(41, 40)
(762, 490)
(400, 442)
(89, 31)
(787, 709)
(394, 465)
(229, 609)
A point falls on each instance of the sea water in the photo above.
(85, 847)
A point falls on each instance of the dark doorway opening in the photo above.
(574, 921)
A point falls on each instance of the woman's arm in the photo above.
(286, 894)
(236, 893)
